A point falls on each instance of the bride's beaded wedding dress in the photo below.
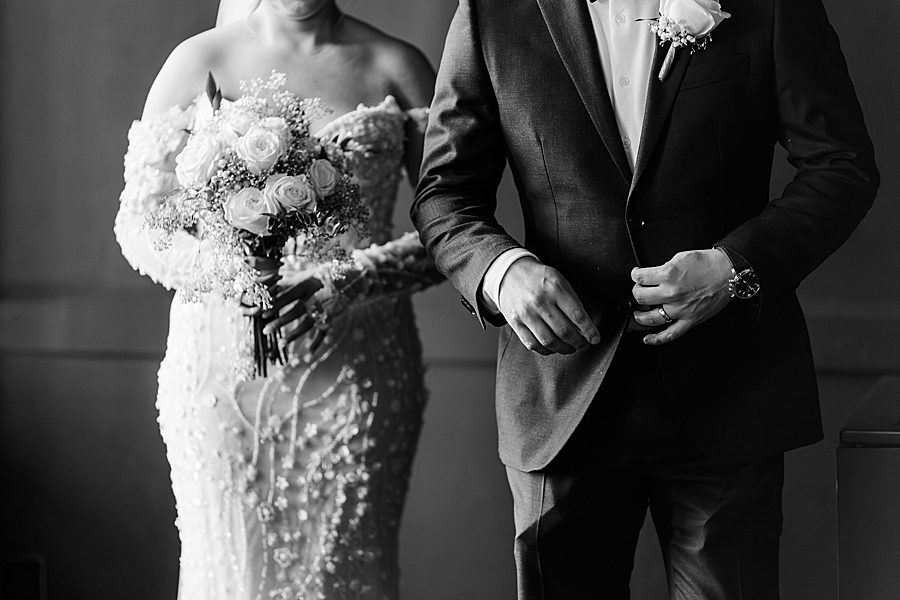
(290, 486)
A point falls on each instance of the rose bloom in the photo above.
(234, 124)
(698, 17)
(278, 126)
(260, 148)
(291, 192)
(249, 209)
(323, 176)
(197, 162)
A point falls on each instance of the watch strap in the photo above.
(738, 262)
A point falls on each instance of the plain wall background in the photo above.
(84, 478)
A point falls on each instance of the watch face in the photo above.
(746, 284)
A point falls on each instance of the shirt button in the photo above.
(620, 18)
(626, 142)
(624, 81)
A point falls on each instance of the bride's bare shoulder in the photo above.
(407, 72)
(184, 73)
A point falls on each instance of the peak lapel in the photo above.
(573, 35)
(660, 100)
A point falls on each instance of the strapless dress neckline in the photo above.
(389, 106)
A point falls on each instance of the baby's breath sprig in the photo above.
(678, 36)
(253, 179)
(685, 24)
(668, 30)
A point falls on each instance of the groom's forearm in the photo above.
(821, 126)
(464, 158)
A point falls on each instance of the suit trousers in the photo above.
(578, 520)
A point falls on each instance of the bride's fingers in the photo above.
(251, 311)
(299, 291)
(262, 263)
(268, 279)
(295, 312)
(302, 328)
(315, 341)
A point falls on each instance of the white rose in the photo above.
(235, 123)
(698, 17)
(323, 176)
(197, 162)
(260, 148)
(291, 192)
(250, 209)
(278, 126)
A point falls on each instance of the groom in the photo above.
(656, 355)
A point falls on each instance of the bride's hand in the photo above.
(266, 268)
(293, 305)
(266, 274)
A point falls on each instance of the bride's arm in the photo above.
(153, 143)
(402, 264)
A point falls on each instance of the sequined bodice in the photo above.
(375, 137)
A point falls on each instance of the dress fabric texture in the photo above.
(289, 486)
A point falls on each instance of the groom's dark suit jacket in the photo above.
(521, 81)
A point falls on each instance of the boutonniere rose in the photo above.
(685, 23)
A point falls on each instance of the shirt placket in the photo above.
(622, 47)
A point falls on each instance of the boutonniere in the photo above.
(685, 24)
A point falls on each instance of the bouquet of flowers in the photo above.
(251, 178)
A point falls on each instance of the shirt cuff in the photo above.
(490, 288)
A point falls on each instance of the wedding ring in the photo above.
(662, 312)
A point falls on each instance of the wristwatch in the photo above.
(744, 283)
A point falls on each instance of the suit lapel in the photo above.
(573, 34)
(660, 100)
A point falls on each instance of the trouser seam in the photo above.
(537, 537)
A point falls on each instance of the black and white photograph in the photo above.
(449, 300)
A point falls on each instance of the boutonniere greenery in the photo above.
(685, 24)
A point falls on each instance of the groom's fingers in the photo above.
(543, 310)
(669, 334)
(574, 312)
(562, 328)
(651, 275)
(655, 295)
(551, 331)
(651, 317)
(527, 338)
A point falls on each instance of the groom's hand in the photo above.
(543, 310)
(690, 288)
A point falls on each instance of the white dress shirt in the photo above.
(626, 54)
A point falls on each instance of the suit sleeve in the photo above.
(821, 126)
(464, 158)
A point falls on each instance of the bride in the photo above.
(291, 485)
